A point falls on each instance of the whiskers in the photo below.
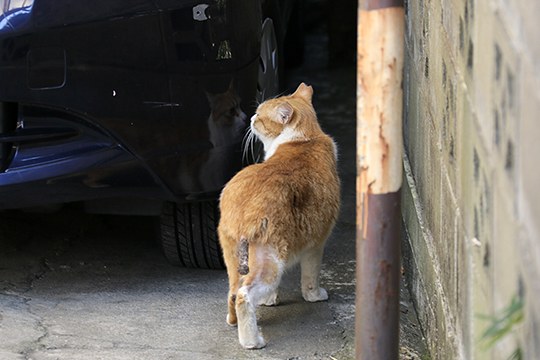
(250, 150)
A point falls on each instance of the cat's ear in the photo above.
(211, 98)
(284, 113)
(231, 85)
(304, 91)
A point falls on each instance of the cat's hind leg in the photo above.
(231, 299)
(261, 282)
(310, 265)
(249, 335)
(231, 262)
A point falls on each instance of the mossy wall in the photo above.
(471, 203)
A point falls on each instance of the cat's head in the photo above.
(286, 118)
(225, 107)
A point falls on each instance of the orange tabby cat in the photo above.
(279, 212)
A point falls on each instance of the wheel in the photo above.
(188, 235)
(269, 63)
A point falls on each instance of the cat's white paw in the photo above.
(315, 295)
(271, 300)
(252, 344)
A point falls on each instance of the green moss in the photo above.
(503, 324)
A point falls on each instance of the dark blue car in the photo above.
(134, 106)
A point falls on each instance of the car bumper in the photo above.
(134, 92)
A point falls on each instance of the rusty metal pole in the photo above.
(379, 160)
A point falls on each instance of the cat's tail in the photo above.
(243, 256)
(243, 247)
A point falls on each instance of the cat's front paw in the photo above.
(315, 295)
(271, 300)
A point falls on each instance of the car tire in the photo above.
(189, 235)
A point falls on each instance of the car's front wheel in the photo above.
(188, 234)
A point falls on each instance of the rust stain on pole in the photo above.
(379, 162)
(378, 272)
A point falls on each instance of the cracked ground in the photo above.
(76, 286)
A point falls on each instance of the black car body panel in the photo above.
(124, 98)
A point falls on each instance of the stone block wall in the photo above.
(471, 203)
